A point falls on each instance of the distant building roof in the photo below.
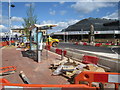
(98, 23)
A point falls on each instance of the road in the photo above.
(89, 48)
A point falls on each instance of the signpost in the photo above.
(36, 38)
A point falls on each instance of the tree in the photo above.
(30, 20)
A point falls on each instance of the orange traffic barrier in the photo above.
(0, 44)
(7, 69)
(6, 84)
(12, 41)
(2, 80)
(90, 59)
(103, 77)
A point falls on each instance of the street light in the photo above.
(9, 16)
(64, 35)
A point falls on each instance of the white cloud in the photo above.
(55, 5)
(60, 25)
(63, 12)
(87, 7)
(3, 19)
(52, 12)
(62, 2)
(28, 4)
(16, 26)
(70, 22)
(48, 22)
(3, 27)
(114, 15)
(17, 19)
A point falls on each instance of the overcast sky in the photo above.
(61, 13)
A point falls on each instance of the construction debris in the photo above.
(71, 67)
(7, 70)
(24, 78)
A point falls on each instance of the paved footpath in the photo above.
(37, 73)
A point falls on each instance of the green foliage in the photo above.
(30, 20)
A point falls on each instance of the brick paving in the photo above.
(37, 73)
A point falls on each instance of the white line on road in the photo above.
(113, 50)
(115, 56)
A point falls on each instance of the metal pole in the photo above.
(67, 36)
(46, 45)
(114, 36)
(9, 11)
(39, 52)
(64, 35)
(81, 34)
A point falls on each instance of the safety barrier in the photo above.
(107, 43)
(102, 77)
(90, 59)
(5, 43)
(7, 85)
(76, 43)
(60, 52)
(98, 44)
(7, 69)
(47, 47)
(84, 43)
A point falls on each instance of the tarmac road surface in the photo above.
(89, 48)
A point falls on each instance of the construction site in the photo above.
(37, 65)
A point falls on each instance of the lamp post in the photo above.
(9, 18)
(81, 34)
(114, 36)
(64, 35)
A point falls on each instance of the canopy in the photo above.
(43, 27)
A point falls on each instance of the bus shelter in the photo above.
(36, 38)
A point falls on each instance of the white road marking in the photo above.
(114, 51)
(115, 56)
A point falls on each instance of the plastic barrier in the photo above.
(112, 43)
(7, 85)
(7, 69)
(84, 43)
(47, 47)
(2, 80)
(98, 44)
(76, 43)
(0, 44)
(107, 43)
(90, 59)
(64, 52)
(102, 77)
(59, 51)
(5, 43)
(12, 41)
